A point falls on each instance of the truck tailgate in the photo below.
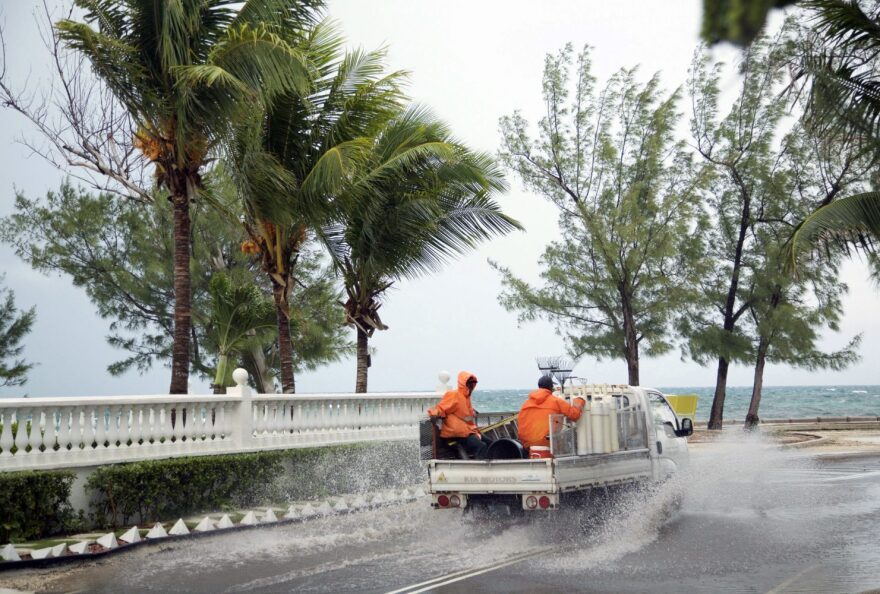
(491, 476)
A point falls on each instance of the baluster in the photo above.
(101, 428)
(114, 429)
(88, 428)
(63, 429)
(177, 430)
(6, 433)
(323, 413)
(198, 422)
(34, 437)
(165, 431)
(43, 445)
(76, 429)
(149, 421)
(137, 425)
(21, 438)
(223, 421)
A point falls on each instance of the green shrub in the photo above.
(161, 489)
(35, 504)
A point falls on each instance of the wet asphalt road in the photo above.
(747, 518)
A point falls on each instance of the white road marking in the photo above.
(781, 586)
(458, 576)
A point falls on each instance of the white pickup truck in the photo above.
(626, 434)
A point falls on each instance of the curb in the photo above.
(122, 548)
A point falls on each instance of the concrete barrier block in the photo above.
(80, 547)
(179, 528)
(225, 522)
(359, 502)
(341, 505)
(324, 508)
(206, 525)
(249, 519)
(377, 499)
(108, 541)
(308, 511)
(157, 531)
(58, 550)
(131, 535)
(8, 553)
(269, 516)
(41, 553)
(291, 514)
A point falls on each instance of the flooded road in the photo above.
(746, 517)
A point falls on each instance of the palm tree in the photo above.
(419, 199)
(291, 160)
(241, 319)
(841, 66)
(186, 71)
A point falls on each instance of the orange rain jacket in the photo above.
(534, 416)
(456, 409)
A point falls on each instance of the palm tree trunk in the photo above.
(182, 291)
(757, 386)
(222, 375)
(285, 345)
(263, 379)
(363, 362)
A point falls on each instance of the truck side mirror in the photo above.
(687, 428)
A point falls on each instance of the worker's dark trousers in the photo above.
(476, 446)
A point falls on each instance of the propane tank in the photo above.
(597, 426)
(582, 429)
(606, 428)
(612, 416)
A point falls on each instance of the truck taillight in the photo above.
(531, 502)
(455, 501)
(544, 502)
(443, 501)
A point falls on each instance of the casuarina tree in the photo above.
(625, 261)
(14, 325)
(761, 185)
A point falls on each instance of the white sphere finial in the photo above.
(240, 376)
(443, 376)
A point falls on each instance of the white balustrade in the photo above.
(71, 432)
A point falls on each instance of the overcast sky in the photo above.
(471, 62)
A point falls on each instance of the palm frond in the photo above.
(852, 221)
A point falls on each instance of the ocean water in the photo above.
(777, 402)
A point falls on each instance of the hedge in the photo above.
(162, 489)
(35, 504)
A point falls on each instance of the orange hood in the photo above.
(540, 395)
(463, 377)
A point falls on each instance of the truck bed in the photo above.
(553, 475)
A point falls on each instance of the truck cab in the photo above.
(626, 435)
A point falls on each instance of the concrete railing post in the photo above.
(243, 413)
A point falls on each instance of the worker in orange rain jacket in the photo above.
(534, 415)
(457, 412)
